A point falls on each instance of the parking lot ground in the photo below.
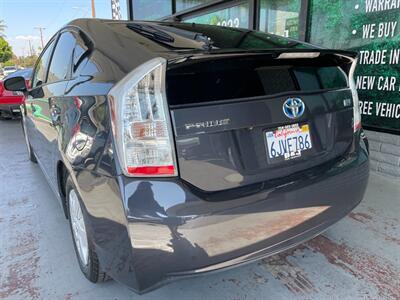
(358, 258)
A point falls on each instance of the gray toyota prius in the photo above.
(178, 149)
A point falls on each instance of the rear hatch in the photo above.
(246, 118)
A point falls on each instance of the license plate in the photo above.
(288, 142)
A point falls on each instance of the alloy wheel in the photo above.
(78, 227)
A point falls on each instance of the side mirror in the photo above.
(15, 84)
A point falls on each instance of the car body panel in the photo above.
(203, 164)
(172, 231)
(149, 230)
(45, 128)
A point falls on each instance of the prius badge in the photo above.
(294, 108)
(208, 124)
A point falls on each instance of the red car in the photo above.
(10, 101)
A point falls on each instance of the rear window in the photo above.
(246, 78)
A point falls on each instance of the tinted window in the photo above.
(250, 77)
(311, 78)
(60, 65)
(39, 76)
(80, 54)
(79, 50)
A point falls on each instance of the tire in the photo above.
(89, 263)
(31, 154)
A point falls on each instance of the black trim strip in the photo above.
(303, 20)
(129, 6)
(379, 129)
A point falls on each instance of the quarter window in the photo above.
(80, 54)
(39, 76)
(60, 65)
(79, 50)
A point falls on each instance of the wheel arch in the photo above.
(62, 175)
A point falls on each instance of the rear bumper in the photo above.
(10, 109)
(170, 231)
(15, 100)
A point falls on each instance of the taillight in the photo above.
(356, 102)
(141, 122)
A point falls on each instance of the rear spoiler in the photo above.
(344, 57)
(313, 53)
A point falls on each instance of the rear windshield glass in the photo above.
(244, 78)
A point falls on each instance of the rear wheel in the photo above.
(31, 155)
(84, 249)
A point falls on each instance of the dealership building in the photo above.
(370, 27)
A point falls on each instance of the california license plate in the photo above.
(288, 142)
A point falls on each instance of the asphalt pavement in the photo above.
(358, 258)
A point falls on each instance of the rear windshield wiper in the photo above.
(207, 43)
(151, 32)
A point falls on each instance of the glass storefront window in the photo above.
(365, 27)
(280, 17)
(151, 10)
(185, 4)
(236, 16)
